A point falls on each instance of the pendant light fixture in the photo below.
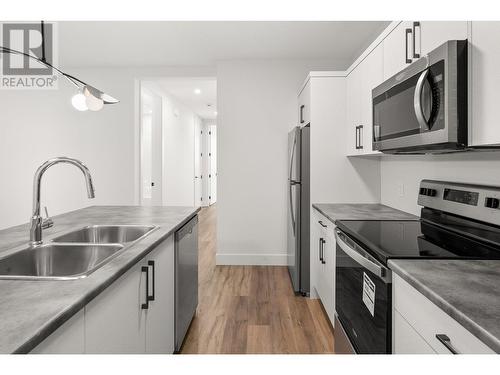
(87, 96)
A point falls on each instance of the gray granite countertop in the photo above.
(31, 310)
(363, 211)
(467, 290)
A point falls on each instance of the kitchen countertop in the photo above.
(31, 310)
(467, 290)
(363, 211)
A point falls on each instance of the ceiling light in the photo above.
(87, 97)
(79, 102)
(197, 91)
(215, 113)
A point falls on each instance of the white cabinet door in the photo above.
(67, 339)
(431, 34)
(407, 340)
(353, 114)
(329, 272)
(314, 258)
(304, 110)
(485, 81)
(372, 74)
(397, 49)
(160, 315)
(114, 320)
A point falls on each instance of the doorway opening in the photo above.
(178, 141)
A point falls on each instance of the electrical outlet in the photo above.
(401, 190)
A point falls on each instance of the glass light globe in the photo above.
(79, 102)
(93, 103)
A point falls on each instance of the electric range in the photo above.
(457, 221)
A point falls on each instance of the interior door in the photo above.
(151, 149)
(213, 164)
(197, 162)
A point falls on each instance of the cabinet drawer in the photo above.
(429, 320)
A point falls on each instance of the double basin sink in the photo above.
(73, 255)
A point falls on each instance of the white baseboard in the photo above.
(251, 259)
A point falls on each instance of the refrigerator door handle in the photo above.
(291, 209)
(292, 156)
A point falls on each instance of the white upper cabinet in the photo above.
(411, 40)
(360, 82)
(372, 75)
(484, 51)
(398, 49)
(431, 34)
(353, 111)
(304, 110)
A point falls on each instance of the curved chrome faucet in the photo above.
(37, 223)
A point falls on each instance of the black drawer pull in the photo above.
(145, 305)
(445, 340)
(152, 264)
(323, 225)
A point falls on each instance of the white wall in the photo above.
(256, 102)
(37, 125)
(408, 171)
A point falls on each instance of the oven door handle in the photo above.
(377, 269)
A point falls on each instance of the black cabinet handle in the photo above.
(407, 59)
(445, 340)
(415, 25)
(322, 224)
(323, 251)
(152, 264)
(145, 305)
(360, 136)
(357, 129)
(302, 113)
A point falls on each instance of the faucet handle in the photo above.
(47, 222)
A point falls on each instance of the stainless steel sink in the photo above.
(106, 234)
(57, 261)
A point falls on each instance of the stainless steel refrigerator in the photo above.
(298, 208)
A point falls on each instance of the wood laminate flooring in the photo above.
(251, 309)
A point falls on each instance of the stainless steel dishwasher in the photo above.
(186, 278)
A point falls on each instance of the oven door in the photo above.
(363, 298)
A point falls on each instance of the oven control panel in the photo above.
(479, 202)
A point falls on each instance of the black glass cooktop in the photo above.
(387, 239)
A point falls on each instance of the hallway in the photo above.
(251, 309)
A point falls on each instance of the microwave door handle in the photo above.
(417, 100)
(360, 259)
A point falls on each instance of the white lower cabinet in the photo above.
(114, 320)
(407, 340)
(323, 262)
(67, 339)
(122, 319)
(417, 319)
(160, 315)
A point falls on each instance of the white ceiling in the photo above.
(155, 43)
(183, 89)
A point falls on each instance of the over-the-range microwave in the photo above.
(424, 107)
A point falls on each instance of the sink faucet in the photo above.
(37, 222)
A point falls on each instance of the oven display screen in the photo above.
(461, 196)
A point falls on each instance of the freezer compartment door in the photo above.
(293, 235)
